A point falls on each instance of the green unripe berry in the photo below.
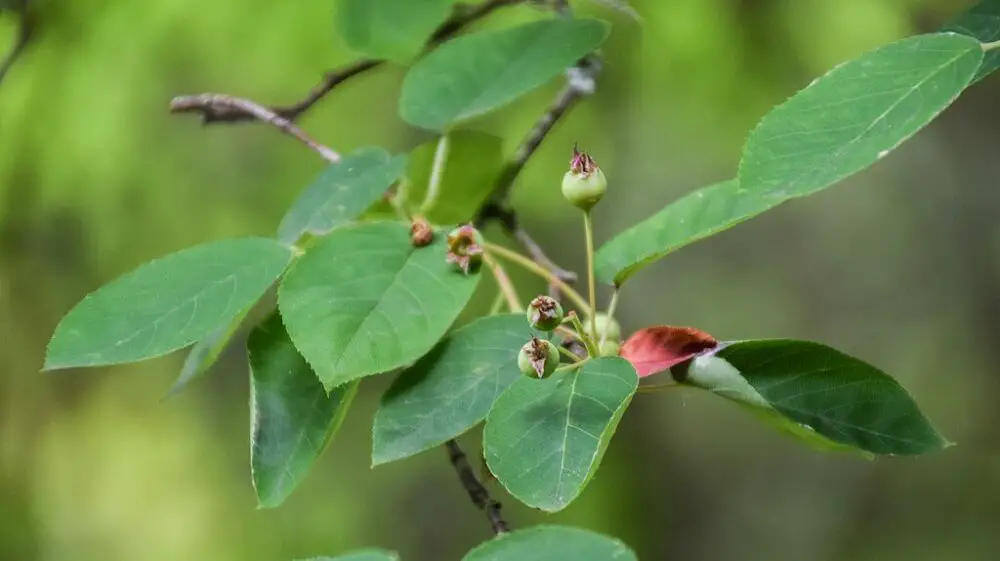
(584, 184)
(604, 323)
(465, 248)
(610, 348)
(538, 358)
(544, 313)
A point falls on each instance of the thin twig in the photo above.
(478, 493)
(533, 267)
(462, 18)
(203, 103)
(331, 80)
(612, 307)
(581, 80)
(437, 174)
(508, 219)
(506, 285)
(466, 15)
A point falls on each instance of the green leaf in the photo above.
(982, 22)
(363, 300)
(474, 162)
(840, 124)
(390, 29)
(856, 114)
(451, 389)
(544, 439)
(341, 193)
(802, 433)
(292, 418)
(167, 303)
(695, 216)
(362, 555)
(551, 543)
(477, 73)
(205, 352)
(820, 389)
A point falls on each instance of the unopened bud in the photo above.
(421, 233)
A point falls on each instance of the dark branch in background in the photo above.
(25, 31)
(463, 17)
(205, 103)
(476, 490)
(581, 81)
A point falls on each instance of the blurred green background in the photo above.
(897, 266)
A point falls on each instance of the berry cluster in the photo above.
(539, 358)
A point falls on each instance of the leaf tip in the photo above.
(57, 363)
(268, 501)
(380, 459)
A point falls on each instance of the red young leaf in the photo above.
(655, 349)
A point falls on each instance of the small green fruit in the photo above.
(544, 313)
(610, 348)
(538, 358)
(584, 184)
(465, 248)
(604, 322)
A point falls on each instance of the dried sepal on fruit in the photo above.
(538, 358)
(465, 248)
(544, 313)
(584, 184)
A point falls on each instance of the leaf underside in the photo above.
(821, 390)
(292, 416)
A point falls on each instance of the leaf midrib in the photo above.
(368, 314)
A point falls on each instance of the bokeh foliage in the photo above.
(96, 177)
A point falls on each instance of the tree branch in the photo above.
(462, 18)
(206, 103)
(478, 493)
(332, 79)
(581, 81)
